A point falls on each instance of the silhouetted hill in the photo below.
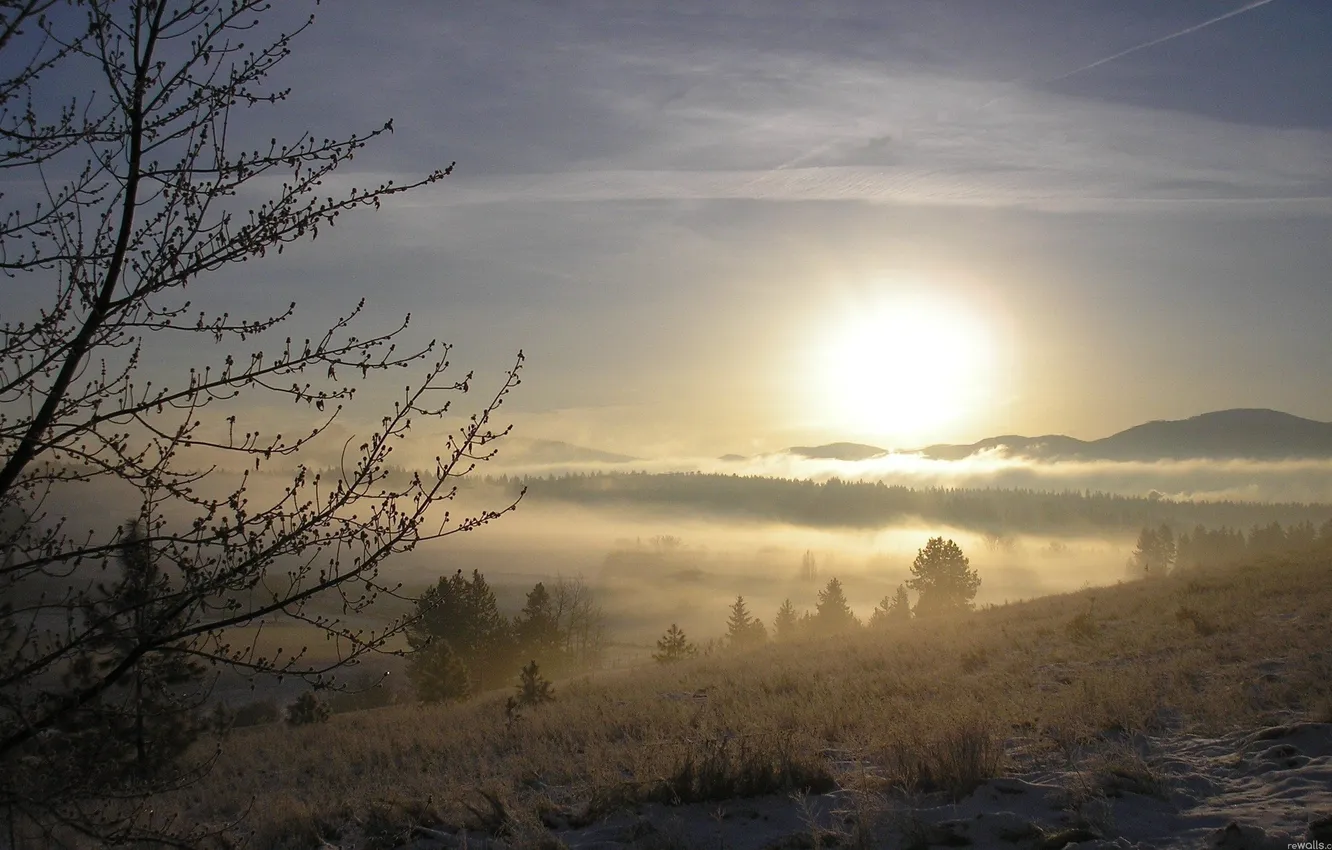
(518, 452)
(838, 451)
(1243, 433)
(1049, 446)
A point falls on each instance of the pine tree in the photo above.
(1165, 538)
(464, 613)
(943, 577)
(833, 614)
(536, 629)
(438, 674)
(674, 646)
(533, 688)
(892, 609)
(147, 721)
(744, 631)
(784, 624)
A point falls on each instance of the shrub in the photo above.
(723, 766)
(307, 709)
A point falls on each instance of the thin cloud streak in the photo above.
(1163, 39)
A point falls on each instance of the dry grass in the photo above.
(926, 706)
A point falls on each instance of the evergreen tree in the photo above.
(1267, 540)
(674, 646)
(536, 628)
(784, 624)
(145, 723)
(1165, 539)
(901, 604)
(1156, 551)
(1146, 556)
(533, 688)
(464, 613)
(438, 674)
(833, 614)
(1301, 536)
(743, 630)
(943, 578)
(892, 609)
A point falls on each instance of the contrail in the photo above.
(1248, 7)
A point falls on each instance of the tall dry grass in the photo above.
(926, 707)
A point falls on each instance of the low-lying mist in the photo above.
(656, 561)
(1295, 480)
(652, 569)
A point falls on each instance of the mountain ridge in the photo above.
(1237, 433)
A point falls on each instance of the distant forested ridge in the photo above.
(847, 504)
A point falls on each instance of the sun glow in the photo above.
(905, 369)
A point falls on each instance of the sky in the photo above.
(736, 226)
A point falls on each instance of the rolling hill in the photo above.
(1228, 434)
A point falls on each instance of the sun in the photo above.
(904, 368)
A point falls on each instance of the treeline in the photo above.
(462, 643)
(1160, 551)
(941, 577)
(855, 504)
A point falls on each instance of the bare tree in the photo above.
(127, 179)
(580, 621)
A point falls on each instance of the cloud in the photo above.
(770, 128)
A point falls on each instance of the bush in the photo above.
(955, 762)
(307, 708)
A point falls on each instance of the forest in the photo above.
(857, 504)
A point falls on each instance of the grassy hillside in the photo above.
(928, 708)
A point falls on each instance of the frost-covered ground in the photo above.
(1270, 788)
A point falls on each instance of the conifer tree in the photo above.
(146, 721)
(784, 624)
(533, 688)
(438, 674)
(833, 614)
(892, 609)
(674, 646)
(943, 577)
(536, 629)
(464, 613)
(743, 630)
